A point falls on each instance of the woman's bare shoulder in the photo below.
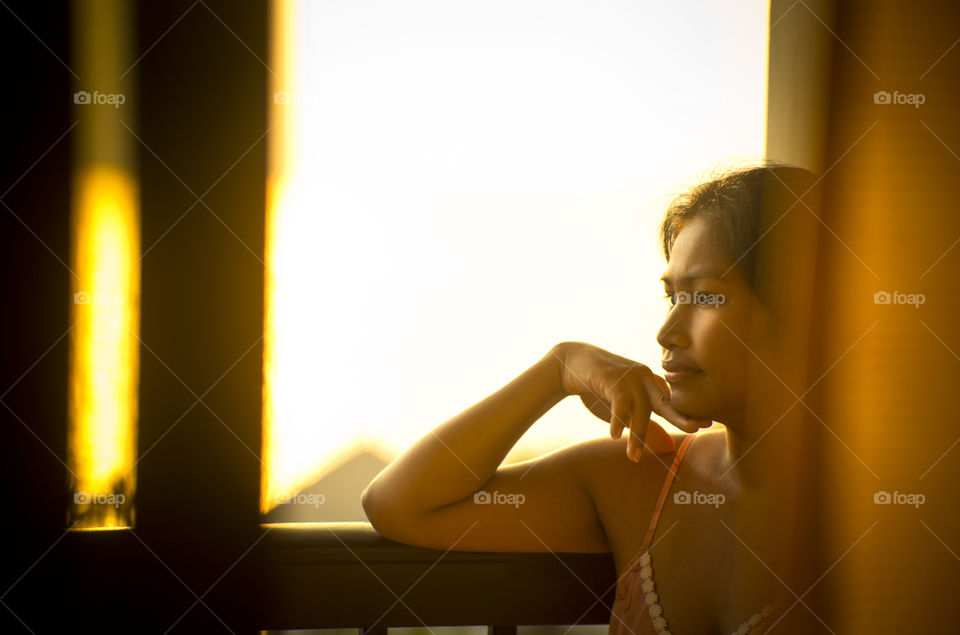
(624, 493)
(605, 459)
(607, 474)
(611, 477)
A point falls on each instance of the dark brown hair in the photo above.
(733, 204)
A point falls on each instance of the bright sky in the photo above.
(477, 181)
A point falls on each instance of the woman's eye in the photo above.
(678, 297)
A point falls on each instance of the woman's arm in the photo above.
(457, 458)
(447, 491)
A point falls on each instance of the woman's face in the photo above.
(704, 334)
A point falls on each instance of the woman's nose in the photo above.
(671, 334)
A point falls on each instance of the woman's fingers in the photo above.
(658, 439)
(638, 431)
(619, 417)
(660, 400)
(670, 413)
(632, 411)
(616, 430)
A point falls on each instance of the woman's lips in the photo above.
(675, 372)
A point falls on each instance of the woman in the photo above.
(612, 494)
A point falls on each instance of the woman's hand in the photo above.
(623, 392)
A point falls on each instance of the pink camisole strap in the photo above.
(665, 490)
(637, 582)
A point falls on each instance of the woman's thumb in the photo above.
(658, 439)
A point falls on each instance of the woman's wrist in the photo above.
(558, 357)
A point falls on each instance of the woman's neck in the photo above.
(745, 463)
(765, 507)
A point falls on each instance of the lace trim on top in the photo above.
(643, 566)
(652, 600)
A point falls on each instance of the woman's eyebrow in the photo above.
(696, 275)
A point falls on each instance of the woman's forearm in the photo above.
(455, 459)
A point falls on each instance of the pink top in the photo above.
(636, 609)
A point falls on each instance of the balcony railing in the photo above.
(335, 575)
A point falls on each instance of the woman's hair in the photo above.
(733, 205)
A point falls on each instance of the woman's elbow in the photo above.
(387, 516)
(369, 503)
(378, 510)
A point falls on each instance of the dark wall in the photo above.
(34, 229)
(200, 115)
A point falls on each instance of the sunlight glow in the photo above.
(456, 187)
(282, 323)
(105, 256)
(105, 351)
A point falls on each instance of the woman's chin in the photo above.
(681, 397)
(691, 405)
